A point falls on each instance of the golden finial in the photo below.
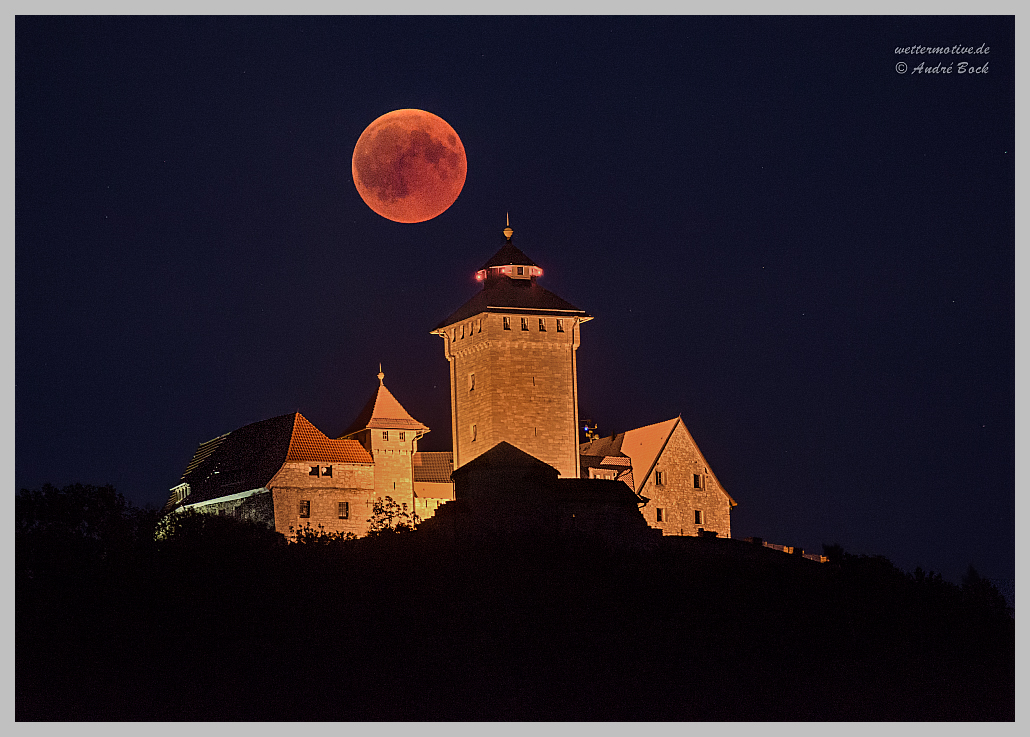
(507, 227)
(381, 375)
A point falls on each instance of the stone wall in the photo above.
(524, 391)
(678, 497)
(350, 483)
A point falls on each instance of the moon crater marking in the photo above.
(409, 166)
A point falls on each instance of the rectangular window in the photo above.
(472, 382)
(521, 270)
(507, 323)
(561, 325)
(479, 325)
(400, 436)
(697, 481)
(525, 323)
(699, 517)
(661, 514)
(386, 434)
(473, 433)
(455, 333)
(659, 478)
(344, 510)
(542, 328)
(313, 471)
(305, 508)
(463, 330)
(327, 471)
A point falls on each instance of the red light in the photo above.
(536, 271)
(481, 275)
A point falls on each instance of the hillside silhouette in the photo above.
(218, 619)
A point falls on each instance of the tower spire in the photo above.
(381, 375)
(507, 227)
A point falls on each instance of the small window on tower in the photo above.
(542, 328)
(386, 434)
(699, 517)
(313, 471)
(305, 508)
(473, 433)
(343, 510)
(327, 471)
(507, 323)
(661, 514)
(659, 478)
(479, 325)
(400, 436)
(472, 382)
(463, 330)
(455, 333)
(697, 481)
(525, 323)
(561, 325)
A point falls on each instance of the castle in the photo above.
(511, 351)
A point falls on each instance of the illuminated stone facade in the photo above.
(511, 351)
(512, 355)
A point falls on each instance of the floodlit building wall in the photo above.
(515, 385)
(678, 497)
(350, 483)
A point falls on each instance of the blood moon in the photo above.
(409, 166)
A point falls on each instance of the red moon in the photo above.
(409, 166)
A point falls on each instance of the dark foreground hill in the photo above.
(226, 622)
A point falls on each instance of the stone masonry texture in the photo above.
(523, 391)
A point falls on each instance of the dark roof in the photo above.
(249, 457)
(603, 490)
(507, 456)
(503, 294)
(432, 466)
(509, 254)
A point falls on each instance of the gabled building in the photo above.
(662, 463)
(287, 473)
(511, 351)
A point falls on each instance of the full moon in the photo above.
(409, 166)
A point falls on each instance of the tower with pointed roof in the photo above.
(386, 430)
(512, 356)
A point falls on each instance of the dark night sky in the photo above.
(806, 254)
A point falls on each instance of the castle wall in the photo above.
(524, 391)
(350, 483)
(677, 496)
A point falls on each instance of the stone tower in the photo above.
(390, 435)
(512, 354)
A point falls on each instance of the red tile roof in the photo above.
(248, 458)
(642, 446)
(384, 412)
(308, 443)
